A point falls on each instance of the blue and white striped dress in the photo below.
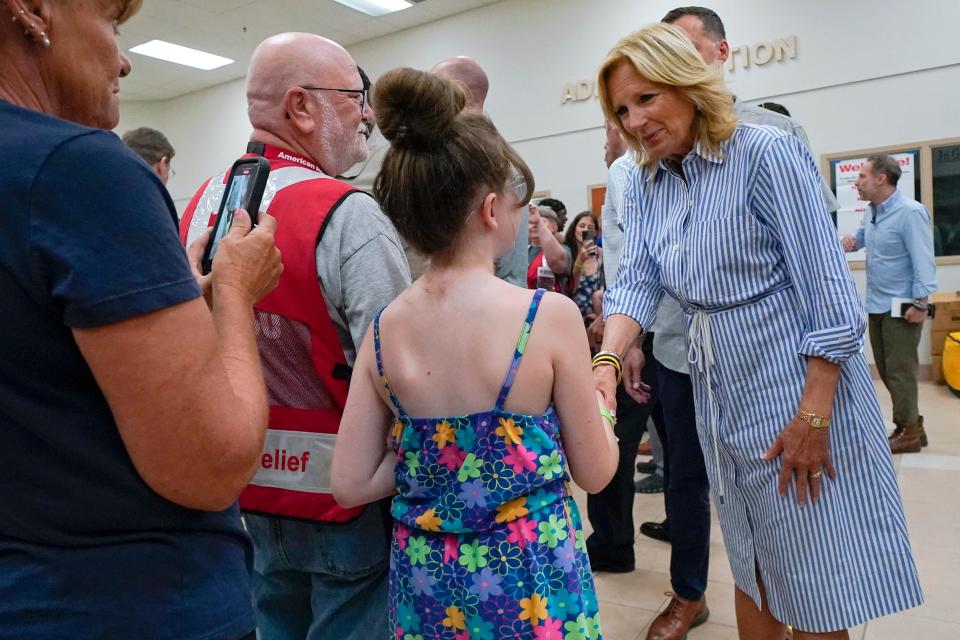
(747, 248)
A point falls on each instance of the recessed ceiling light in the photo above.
(376, 7)
(181, 55)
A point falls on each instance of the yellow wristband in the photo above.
(610, 363)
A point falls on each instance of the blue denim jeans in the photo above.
(315, 581)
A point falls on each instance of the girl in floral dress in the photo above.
(487, 541)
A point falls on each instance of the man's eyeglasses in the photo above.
(360, 92)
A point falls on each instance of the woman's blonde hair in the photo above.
(129, 9)
(663, 54)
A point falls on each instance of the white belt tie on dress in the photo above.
(700, 354)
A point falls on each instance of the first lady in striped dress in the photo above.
(728, 219)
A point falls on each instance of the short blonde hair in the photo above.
(664, 55)
(130, 8)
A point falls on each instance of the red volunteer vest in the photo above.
(304, 367)
(535, 264)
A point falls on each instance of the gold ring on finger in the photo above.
(816, 476)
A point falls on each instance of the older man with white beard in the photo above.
(320, 571)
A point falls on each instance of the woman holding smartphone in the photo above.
(586, 277)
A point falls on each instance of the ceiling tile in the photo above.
(218, 6)
(411, 17)
(233, 28)
(325, 12)
(447, 7)
(368, 31)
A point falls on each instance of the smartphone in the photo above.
(245, 185)
(590, 241)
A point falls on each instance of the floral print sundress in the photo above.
(583, 294)
(487, 541)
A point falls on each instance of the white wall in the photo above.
(867, 73)
(208, 129)
(142, 114)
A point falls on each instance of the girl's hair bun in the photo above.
(416, 109)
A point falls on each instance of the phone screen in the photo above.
(245, 187)
(239, 193)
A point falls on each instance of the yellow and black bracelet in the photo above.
(609, 358)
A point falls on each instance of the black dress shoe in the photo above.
(652, 483)
(647, 468)
(612, 566)
(656, 530)
(605, 558)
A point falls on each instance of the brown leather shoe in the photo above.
(898, 431)
(678, 618)
(908, 440)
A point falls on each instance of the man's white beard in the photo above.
(346, 147)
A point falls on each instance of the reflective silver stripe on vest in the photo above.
(209, 202)
(296, 460)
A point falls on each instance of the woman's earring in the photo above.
(44, 39)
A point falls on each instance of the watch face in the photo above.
(816, 421)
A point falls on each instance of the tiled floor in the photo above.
(930, 484)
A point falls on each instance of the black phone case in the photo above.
(252, 206)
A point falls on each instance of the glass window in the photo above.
(946, 200)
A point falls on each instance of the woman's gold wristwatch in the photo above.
(815, 421)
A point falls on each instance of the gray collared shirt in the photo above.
(610, 222)
(758, 115)
(670, 338)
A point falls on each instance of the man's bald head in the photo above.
(469, 74)
(304, 94)
(288, 60)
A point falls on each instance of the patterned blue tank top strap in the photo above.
(383, 377)
(521, 347)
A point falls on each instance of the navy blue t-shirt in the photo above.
(87, 549)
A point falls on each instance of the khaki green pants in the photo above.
(895, 342)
